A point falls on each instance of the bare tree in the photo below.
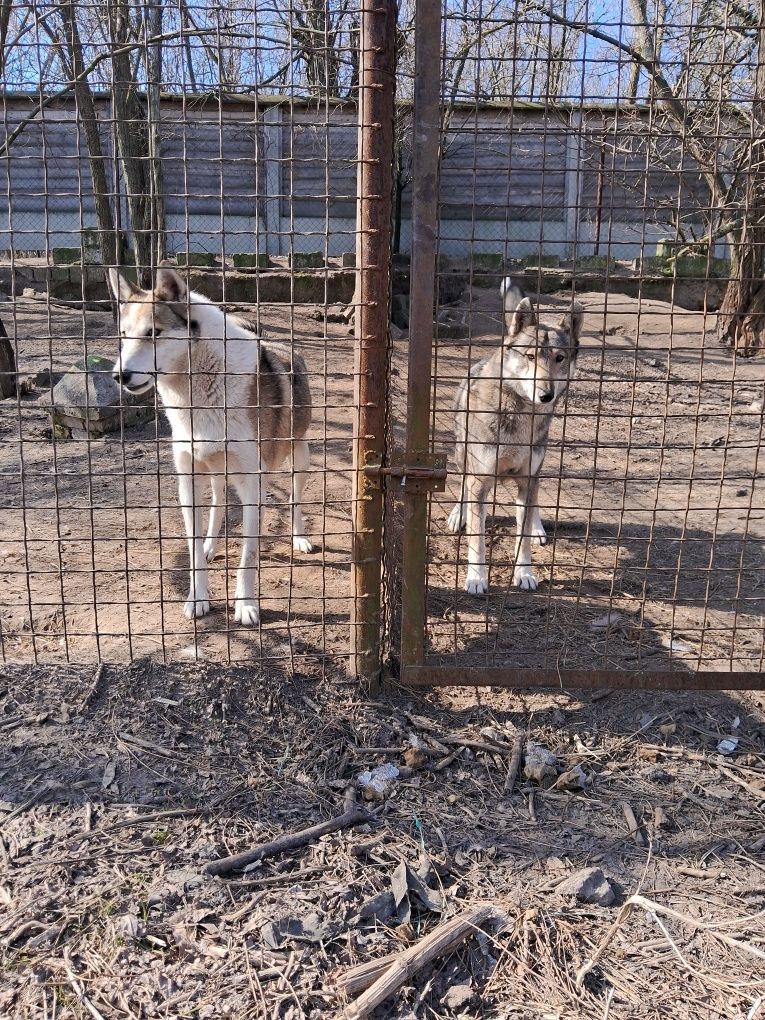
(72, 57)
(134, 145)
(700, 88)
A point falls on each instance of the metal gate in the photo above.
(655, 565)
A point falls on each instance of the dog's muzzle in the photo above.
(127, 381)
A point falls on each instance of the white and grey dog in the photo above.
(236, 406)
(503, 413)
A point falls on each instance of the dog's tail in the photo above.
(512, 295)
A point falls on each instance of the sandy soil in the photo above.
(651, 494)
(120, 784)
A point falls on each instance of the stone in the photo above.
(86, 400)
(589, 885)
(487, 262)
(689, 265)
(66, 256)
(251, 260)
(201, 259)
(307, 260)
(540, 764)
(457, 997)
(594, 263)
(542, 261)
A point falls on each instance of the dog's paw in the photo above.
(195, 607)
(301, 544)
(211, 549)
(476, 583)
(246, 612)
(524, 578)
(456, 521)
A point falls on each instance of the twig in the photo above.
(604, 692)
(45, 788)
(80, 990)
(402, 966)
(445, 762)
(632, 824)
(254, 979)
(756, 791)
(353, 814)
(163, 752)
(91, 691)
(515, 763)
(656, 908)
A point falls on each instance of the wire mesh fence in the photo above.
(220, 139)
(608, 157)
(603, 512)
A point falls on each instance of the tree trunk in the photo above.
(107, 235)
(133, 144)
(741, 319)
(154, 66)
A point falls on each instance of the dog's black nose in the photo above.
(546, 397)
(122, 378)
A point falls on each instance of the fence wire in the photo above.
(629, 189)
(608, 156)
(223, 140)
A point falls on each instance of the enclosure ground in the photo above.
(651, 493)
(116, 795)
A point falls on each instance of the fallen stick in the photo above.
(147, 745)
(353, 814)
(656, 908)
(91, 691)
(445, 762)
(515, 763)
(80, 989)
(403, 966)
(632, 824)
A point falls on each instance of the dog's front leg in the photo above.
(246, 609)
(536, 528)
(217, 510)
(523, 576)
(476, 582)
(301, 463)
(190, 493)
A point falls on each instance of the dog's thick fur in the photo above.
(503, 413)
(236, 406)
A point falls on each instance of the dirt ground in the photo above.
(120, 784)
(651, 494)
(119, 787)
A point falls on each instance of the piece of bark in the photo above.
(382, 978)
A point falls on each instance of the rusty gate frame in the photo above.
(423, 470)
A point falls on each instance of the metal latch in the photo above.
(420, 472)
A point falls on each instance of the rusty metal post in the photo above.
(425, 144)
(375, 178)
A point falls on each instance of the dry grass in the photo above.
(111, 813)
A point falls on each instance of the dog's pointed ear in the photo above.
(122, 289)
(520, 318)
(169, 285)
(572, 322)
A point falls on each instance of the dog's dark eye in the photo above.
(560, 357)
(530, 357)
(153, 334)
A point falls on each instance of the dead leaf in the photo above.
(109, 773)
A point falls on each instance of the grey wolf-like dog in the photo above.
(236, 406)
(504, 408)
